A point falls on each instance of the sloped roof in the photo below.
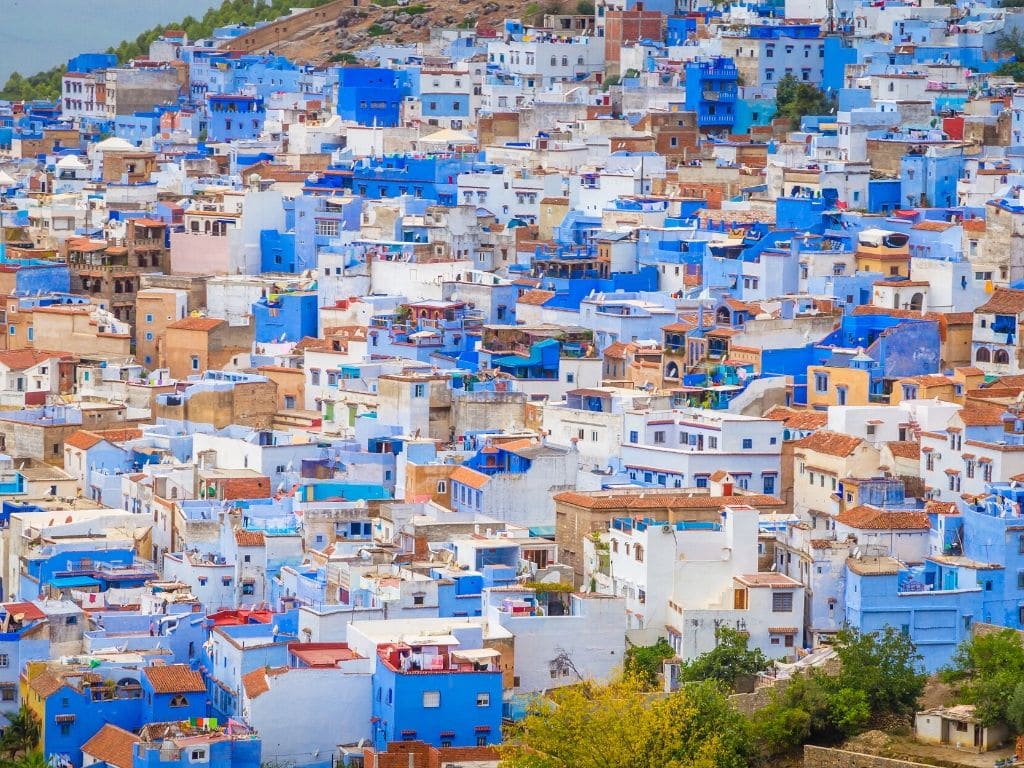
(1004, 300)
(905, 449)
(45, 684)
(82, 439)
(795, 419)
(244, 538)
(536, 297)
(605, 500)
(470, 477)
(174, 678)
(830, 443)
(982, 415)
(866, 517)
(112, 745)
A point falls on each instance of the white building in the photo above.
(684, 447)
(691, 577)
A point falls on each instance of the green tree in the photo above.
(585, 7)
(795, 99)
(728, 661)
(644, 662)
(21, 734)
(988, 669)
(619, 725)
(885, 666)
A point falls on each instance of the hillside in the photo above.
(355, 27)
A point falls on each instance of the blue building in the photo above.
(711, 92)
(235, 117)
(431, 693)
(928, 177)
(431, 177)
(285, 317)
(372, 95)
(183, 744)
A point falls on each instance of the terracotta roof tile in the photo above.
(1004, 301)
(470, 477)
(20, 359)
(244, 538)
(174, 678)
(196, 324)
(982, 415)
(866, 517)
(45, 684)
(830, 443)
(795, 419)
(905, 449)
(536, 297)
(83, 440)
(113, 746)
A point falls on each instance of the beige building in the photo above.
(823, 459)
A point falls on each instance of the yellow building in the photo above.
(888, 253)
(828, 385)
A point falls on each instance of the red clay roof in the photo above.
(795, 419)
(982, 415)
(196, 324)
(20, 359)
(174, 678)
(536, 297)
(112, 745)
(45, 684)
(82, 439)
(866, 517)
(830, 443)
(469, 477)
(1004, 301)
(905, 449)
(244, 538)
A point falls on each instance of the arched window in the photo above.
(1001, 357)
(638, 552)
(179, 701)
(983, 355)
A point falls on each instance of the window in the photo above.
(821, 382)
(782, 602)
(713, 443)
(327, 227)
(748, 443)
(431, 699)
(659, 438)
(7, 692)
(5, 660)
(417, 600)
(419, 390)
(634, 436)
(481, 740)
(195, 362)
(638, 553)
(483, 699)
(179, 701)
(198, 755)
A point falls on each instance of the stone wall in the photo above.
(822, 757)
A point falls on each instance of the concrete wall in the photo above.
(822, 757)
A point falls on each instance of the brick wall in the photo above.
(424, 755)
(246, 488)
(822, 757)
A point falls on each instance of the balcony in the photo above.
(715, 119)
(722, 97)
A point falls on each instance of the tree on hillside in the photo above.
(644, 662)
(795, 99)
(879, 675)
(989, 672)
(619, 725)
(728, 661)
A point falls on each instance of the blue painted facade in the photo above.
(285, 317)
(371, 95)
(233, 117)
(711, 88)
(442, 705)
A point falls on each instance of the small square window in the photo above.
(483, 699)
(431, 699)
